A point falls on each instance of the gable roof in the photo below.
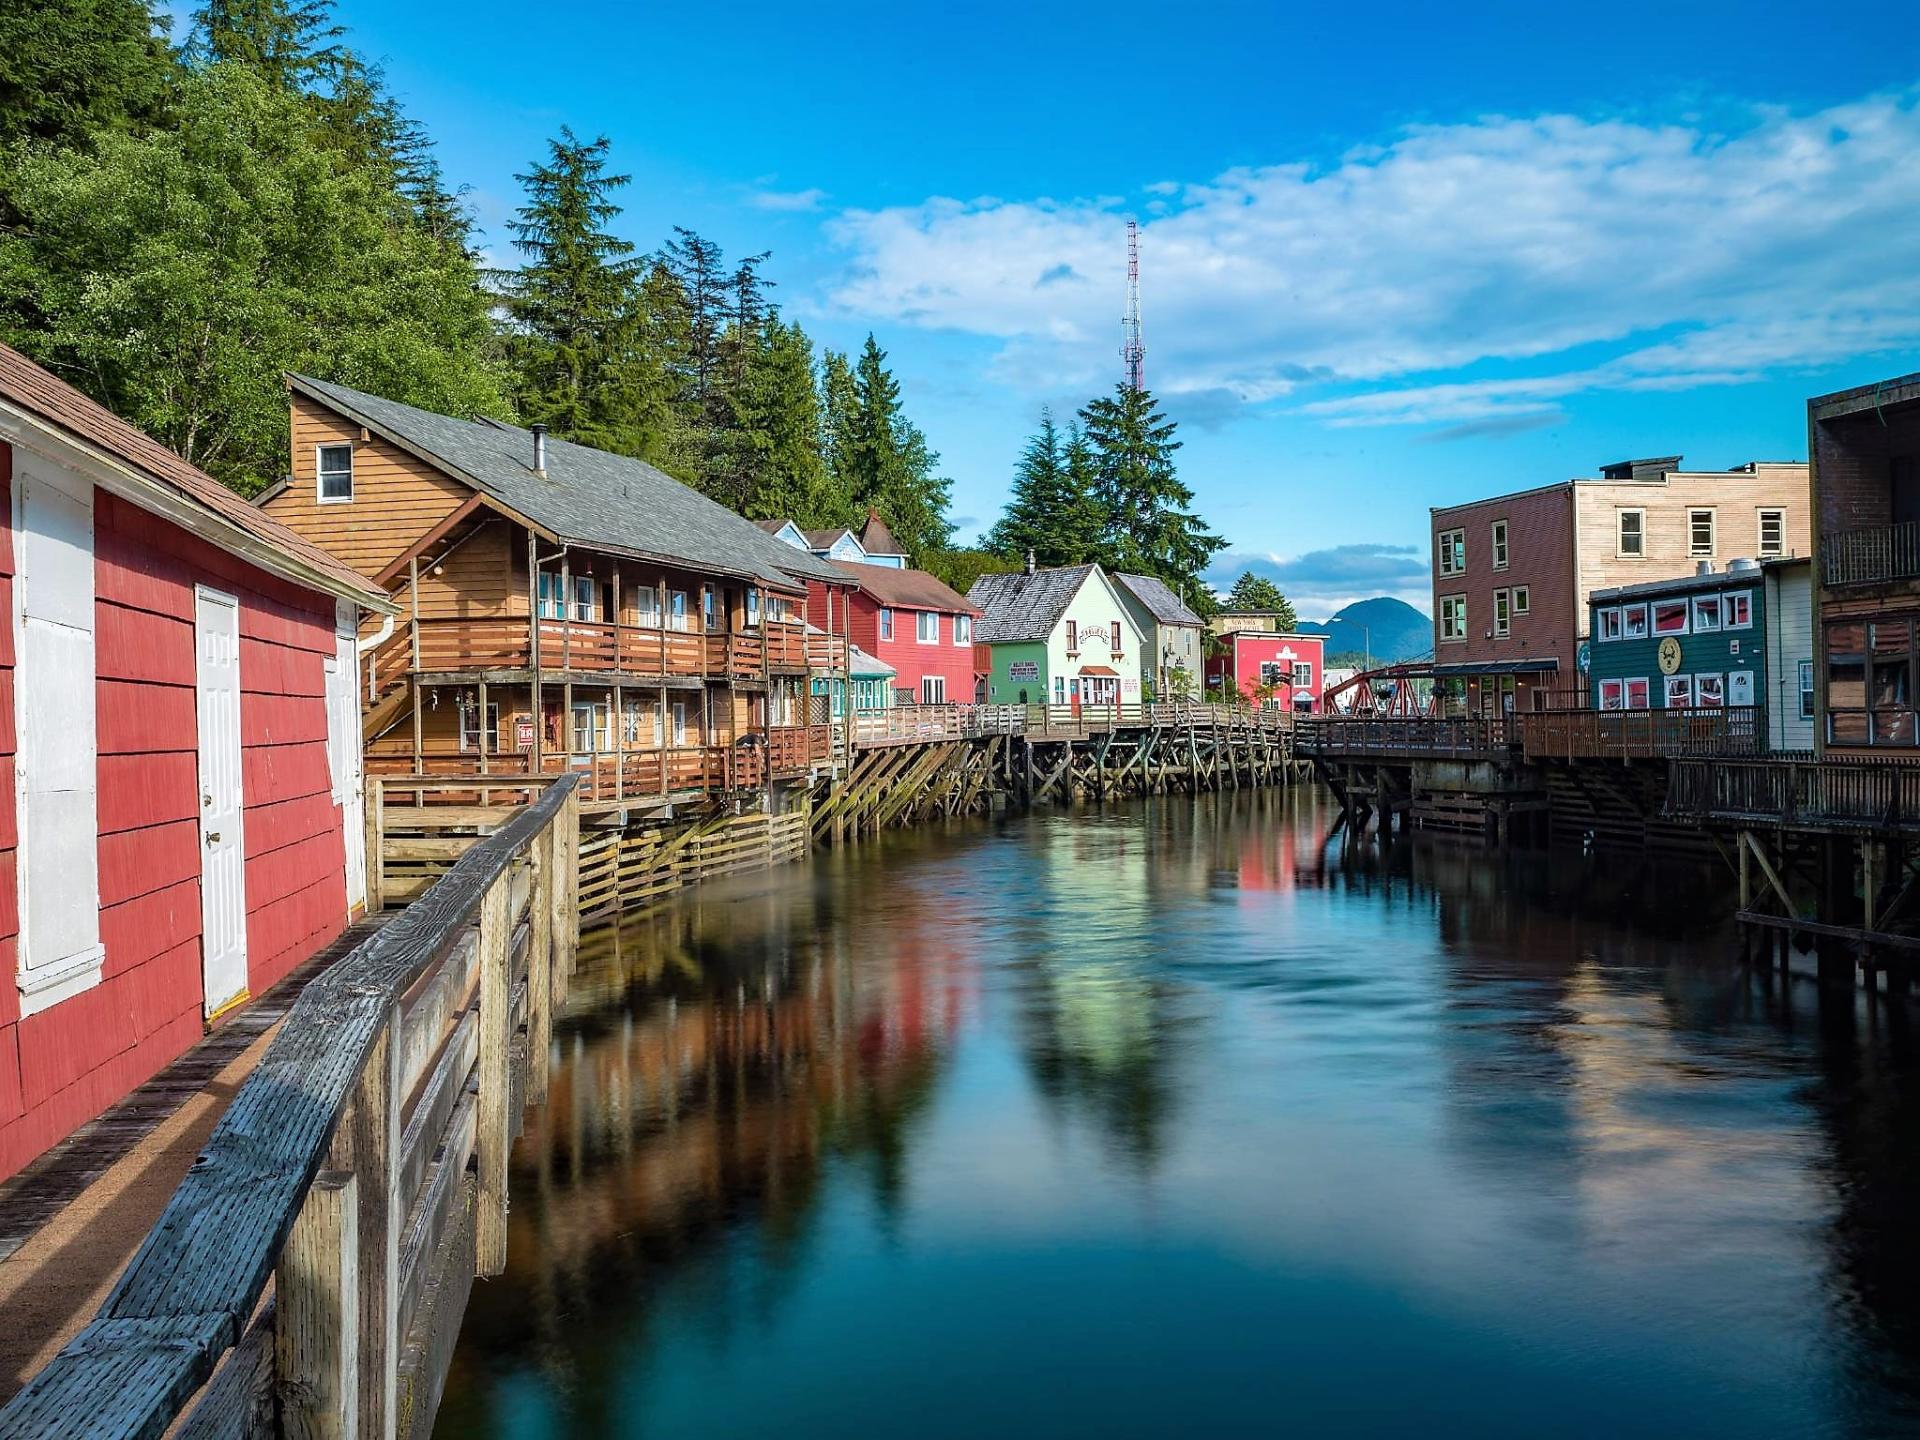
(1154, 593)
(235, 525)
(876, 538)
(827, 539)
(907, 589)
(586, 497)
(1025, 607)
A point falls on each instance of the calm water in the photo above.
(1173, 1119)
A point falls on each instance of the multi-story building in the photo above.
(917, 625)
(1175, 652)
(1058, 636)
(1511, 574)
(1267, 667)
(563, 608)
(1865, 449)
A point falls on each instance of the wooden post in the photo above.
(483, 726)
(540, 953)
(316, 1344)
(558, 861)
(495, 1120)
(1746, 870)
(367, 1141)
(375, 806)
(533, 651)
(566, 612)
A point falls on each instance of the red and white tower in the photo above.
(1133, 350)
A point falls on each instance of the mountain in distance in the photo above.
(1387, 628)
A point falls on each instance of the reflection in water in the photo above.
(1174, 1116)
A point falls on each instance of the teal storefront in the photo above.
(1696, 643)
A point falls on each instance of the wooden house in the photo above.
(916, 624)
(179, 739)
(1057, 636)
(1175, 648)
(1290, 669)
(562, 608)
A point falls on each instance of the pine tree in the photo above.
(783, 410)
(839, 416)
(1150, 527)
(578, 350)
(1050, 513)
(1256, 592)
(71, 69)
(892, 468)
(290, 44)
(698, 266)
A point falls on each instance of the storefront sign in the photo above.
(523, 734)
(1024, 670)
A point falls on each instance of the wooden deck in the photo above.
(1801, 794)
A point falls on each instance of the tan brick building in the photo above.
(1511, 574)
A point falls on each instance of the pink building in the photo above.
(1291, 664)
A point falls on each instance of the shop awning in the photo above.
(1107, 670)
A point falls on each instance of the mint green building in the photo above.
(1058, 637)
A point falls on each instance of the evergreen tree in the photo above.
(1256, 592)
(290, 44)
(71, 69)
(1150, 526)
(785, 410)
(697, 265)
(578, 348)
(839, 417)
(1050, 513)
(892, 469)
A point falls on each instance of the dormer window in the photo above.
(334, 466)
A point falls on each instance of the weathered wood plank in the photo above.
(316, 1331)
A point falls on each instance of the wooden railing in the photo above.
(786, 642)
(793, 749)
(596, 646)
(1870, 555)
(340, 1174)
(1840, 793)
(1466, 737)
(920, 724)
(1641, 734)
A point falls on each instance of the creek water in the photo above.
(1175, 1117)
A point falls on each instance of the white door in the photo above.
(223, 873)
(1739, 687)
(343, 750)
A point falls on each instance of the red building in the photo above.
(179, 741)
(916, 623)
(1291, 664)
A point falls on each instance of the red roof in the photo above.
(1100, 670)
(907, 589)
(41, 393)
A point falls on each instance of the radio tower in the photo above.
(1133, 351)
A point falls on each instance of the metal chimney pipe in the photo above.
(1030, 562)
(539, 449)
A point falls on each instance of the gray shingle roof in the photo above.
(587, 497)
(1154, 593)
(1022, 606)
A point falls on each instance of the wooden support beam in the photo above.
(1752, 843)
(316, 1343)
(495, 1129)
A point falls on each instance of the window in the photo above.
(1632, 532)
(679, 722)
(1073, 637)
(1302, 674)
(886, 623)
(1059, 689)
(333, 465)
(586, 601)
(1806, 689)
(1706, 613)
(1270, 672)
(1737, 612)
(1453, 617)
(470, 736)
(1499, 544)
(1119, 636)
(1613, 694)
(646, 604)
(926, 627)
(1453, 552)
(1740, 687)
(1633, 622)
(933, 689)
(1699, 532)
(1773, 532)
(552, 597)
(1608, 626)
(963, 629)
(1669, 617)
(677, 610)
(1502, 613)
(709, 608)
(1522, 601)
(590, 728)
(753, 608)
(1639, 695)
(1710, 691)
(1679, 692)
(640, 724)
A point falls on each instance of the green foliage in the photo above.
(960, 568)
(72, 69)
(290, 44)
(1052, 512)
(1256, 592)
(1150, 525)
(175, 275)
(890, 467)
(1181, 684)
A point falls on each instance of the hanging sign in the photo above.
(523, 733)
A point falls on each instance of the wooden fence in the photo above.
(1813, 793)
(927, 724)
(309, 1275)
(1641, 734)
(1467, 737)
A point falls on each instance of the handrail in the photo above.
(185, 1298)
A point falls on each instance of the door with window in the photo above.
(223, 874)
(1739, 687)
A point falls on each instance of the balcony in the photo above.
(456, 645)
(1873, 555)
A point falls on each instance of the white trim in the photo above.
(958, 621)
(1620, 551)
(1760, 514)
(1500, 543)
(918, 616)
(1694, 552)
(320, 496)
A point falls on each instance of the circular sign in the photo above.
(1669, 655)
(1586, 658)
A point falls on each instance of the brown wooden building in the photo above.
(562, 608)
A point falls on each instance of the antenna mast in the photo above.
(1133, 351)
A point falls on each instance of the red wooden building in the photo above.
(919, 625)
(179, 746)
(1291, 664)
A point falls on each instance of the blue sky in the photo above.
(1393, 256)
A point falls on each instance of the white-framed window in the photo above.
(1630, 532)
(1700, 537)
(1633, 622)
(1773, 532)
(1613, 694)
(471, 737)
(646, 605)
(1706, 613)
(677, 618)
(1639, 694)
(1740, 687)
(586, 598)
(1453, 617)
(553, 602)
(1607, 625)
(1059, 689)
(1302, 674)
(1710, 691)
(680, 725)
(591, 728)
(640, 724)
(1522, 600)
(886, 623)
(1271, 672)
(1679, 692)
(753, 608)
(1738, 610)
(333, 472)
(1502, 613)
(1453, 552)
(1499, 544)
(1806, 689)
(963, 629)
(933, 689)
(1669, 617)
(709, 608)
(926, 627)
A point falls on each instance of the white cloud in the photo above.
(1683, 255)
(787, 200)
